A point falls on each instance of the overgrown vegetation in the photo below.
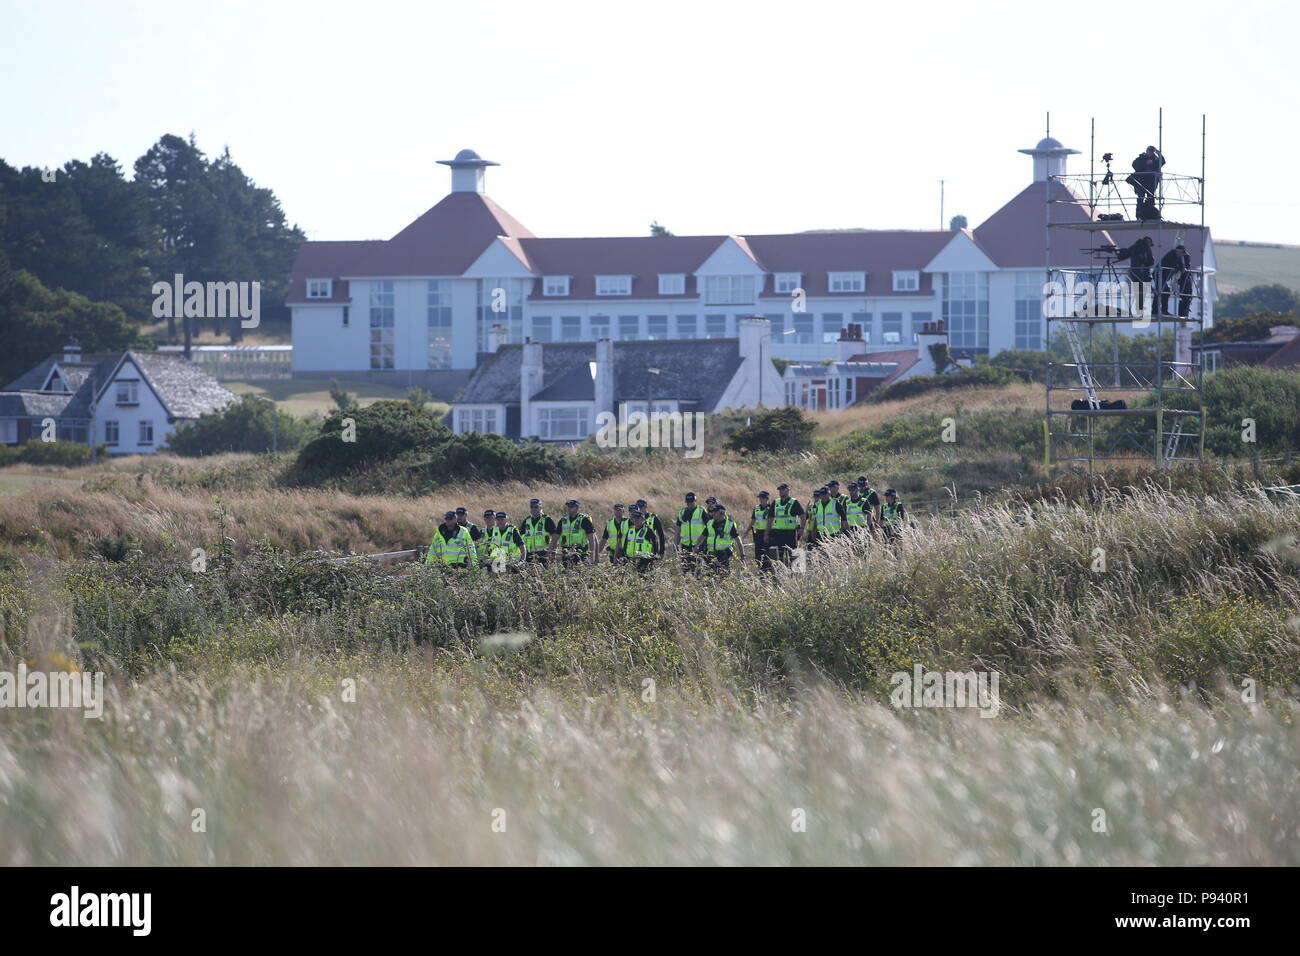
(249, 425)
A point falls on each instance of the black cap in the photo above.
(832, 482)
(449, 514)
(637, 513)
(823, 490)
(891, 491)
(720, 508)
(571, 503)
(690, 496)
(640, 502)
(501, 514)
(852, 484)
(764, 494)
(783, 485)
(616, 507)
(489, 513)
(461, 511)
(535, 501)
(711, 498)
(862, 479)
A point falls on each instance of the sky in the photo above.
(710, 117)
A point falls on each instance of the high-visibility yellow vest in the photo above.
(638, 543)
(720, 540)
(782, 519)
(856, 515)
(692, 524)
(891, 514)
(536, 537)
(571, 533)
(456, 549)
(617, 531)
(501, 541)
(760, 517)
(826, 517)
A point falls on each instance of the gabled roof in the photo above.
(1288, 356)
(877, 252)
(444, 241)
(326, 260)
(566, 376)
(642, 257)
(1014, 235)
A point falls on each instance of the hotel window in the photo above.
(907, 280)
(803, 328)
(599, 327)
(542, 328)
(790, 393)
(672, 283)
(555, 285)
(613, 285)
(687, 327)
(891, 328)
(715, 326)
(382, 318)
(570, 328)
(481, 420)
(563, 422)
(656, 327)
(146, 432)
(439, 319)
(920, 319)
(864, 320)
(9, 430)
(501, 302)
(832, 322)
(728, 290)
(847, 281)
(1029, 311)
(629, 328)
(786, 281)
(112, 432)
(128, 392)
(319, 288)
(966, 310)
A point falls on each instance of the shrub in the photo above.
(982, 374)
(67, 454)
(1271, 397)
(783, 429)
(495, 457)
(249, 424)
(383, 432)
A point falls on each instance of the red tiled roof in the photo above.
(876, 252)
(642, 257)
(1014, 235)
(445, 241)
(325, 260)
(1288, 356)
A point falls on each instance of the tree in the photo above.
(377, 433)
(249, 425)
(783, 429)
(1247, 328)
(957, 222)
(1274, 298)
(658, 230)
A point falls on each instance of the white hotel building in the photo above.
(420, 307)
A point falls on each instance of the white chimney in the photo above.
(931, 333)
(604, 384)
(467, 171)
(72, 351)
(1049, 158)
(850, 342)
(496, 337)
(761, 381)
(530, 383)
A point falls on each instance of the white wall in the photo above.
(320, 343)
(129, 417)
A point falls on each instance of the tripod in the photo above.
(1108, 182)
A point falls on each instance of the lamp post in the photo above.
(649, 404)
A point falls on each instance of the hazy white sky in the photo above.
(712, 117)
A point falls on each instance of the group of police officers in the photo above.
(705, 535)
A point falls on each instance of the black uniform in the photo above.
(1174, 266)
(1145, 181)
(1140, 259)
(761, 513)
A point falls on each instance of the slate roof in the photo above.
(185, 390)
(33, 404)
(566, 376)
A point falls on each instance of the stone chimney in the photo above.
(604, 381)
(850, 342)
(930, 333)
(496, 337)
(72, 351)
(530, 383)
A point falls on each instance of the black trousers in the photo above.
(781, 544)
(1140, 278)
(718, 561)
(1183, 283)
(761, 557)
(538, 557)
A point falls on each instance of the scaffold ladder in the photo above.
(1175, 433)
(1085, 373)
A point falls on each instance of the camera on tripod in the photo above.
(1105, 249)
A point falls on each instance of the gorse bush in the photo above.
(781, 430)
(248, 425)
(979, 375)
(383, 431)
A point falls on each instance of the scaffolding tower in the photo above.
(1130, 408)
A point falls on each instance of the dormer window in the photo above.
(728, 290)
(128, 392)
(672, 283)
(555, 285)
(613, 285)
(906, 280)
(786, 282)
(320, 288)
(846, 281)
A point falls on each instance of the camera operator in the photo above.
(1145, 180)
(1175, 269)
(1140, 259)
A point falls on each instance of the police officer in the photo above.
(873, 501)
(690, 528)
(855, 511)
(892, 514)
(720, 540)
(486, 534)
(828, 517)
(540, 534)
(576, 535)
(653, 522)
(788, 518)
(760, 520)
(451, 546)
(506, 543)
(475, 532)
(614, 534)
(641, 546)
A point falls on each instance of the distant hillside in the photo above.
(1244, 264)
